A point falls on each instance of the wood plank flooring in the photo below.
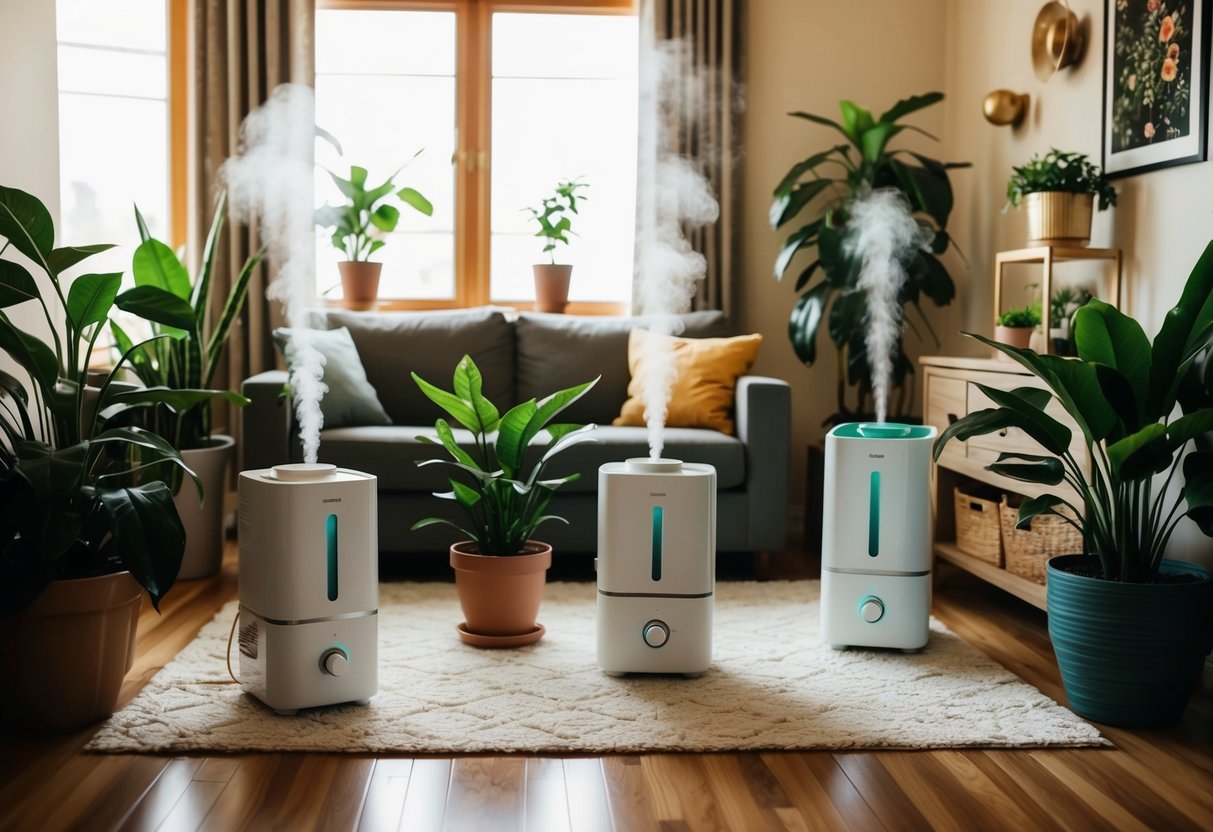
(1151, 780)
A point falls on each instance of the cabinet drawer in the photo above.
(985, 449)
(945, 401)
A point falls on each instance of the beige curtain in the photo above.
(708, 126)
(240, 51)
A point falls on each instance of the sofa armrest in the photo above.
(764, 425)
(265, 422)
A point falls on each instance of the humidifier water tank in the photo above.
(309, 586)
(876, 536)
(656, 566)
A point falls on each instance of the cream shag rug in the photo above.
(772, 685)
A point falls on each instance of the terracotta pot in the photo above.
(203, 520)
(67, 654)
(359, 284)
(1016, 336)
(500, 594)
(1058, 218)
(551, 286)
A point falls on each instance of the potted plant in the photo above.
(499, 569)
(1065, 302)
(177, 371)
(1015, 326)
(357, 226)
(552, 279)
(80, 532)
(820, 189)
(1059, 190)
(1130, 627)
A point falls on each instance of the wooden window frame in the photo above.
(473, 121)
(178, 42)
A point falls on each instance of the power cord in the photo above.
(231, 633)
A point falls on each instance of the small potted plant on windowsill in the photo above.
(1130, 627)
(1059, 190)
(552, 279)
(357, 226)
(1015, 326)
(499, 570)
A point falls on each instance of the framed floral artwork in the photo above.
(1156, 72)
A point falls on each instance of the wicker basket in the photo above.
(977, 532)
(1028, 550)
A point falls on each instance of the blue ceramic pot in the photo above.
(1129, 654)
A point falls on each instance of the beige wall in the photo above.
(1163, 220)
(29, 113)
(806, 55)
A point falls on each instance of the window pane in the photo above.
(113, 125)
(382, 111)
(550, 125)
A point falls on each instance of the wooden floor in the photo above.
(1151, 780)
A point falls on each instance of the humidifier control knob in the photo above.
(871, 609)
(334, 662)
(656, 633)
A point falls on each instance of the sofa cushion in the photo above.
(350, 399)
(391, 453)
(430, 344)
(559, 351)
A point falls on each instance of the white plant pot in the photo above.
(204, 521)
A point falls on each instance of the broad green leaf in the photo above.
(468, 385)
(55, 473)
(548, 407)
(25, 222)
(1190, 316)
(1141, 454)
(346, 187)
(16, 392)
(856, 120)
(36, 357)
(90, 298)
(805, 276)
(200, 293)
(1198, 489)
(385, 217)
(1044, 504)
(928, 191)
(447, 437)
(788, 206)
(977, 423)
(801, 168)
(582, 434)
(178, 400)
(62, 259)
(16, 284)
(935, 281)
(159, 306)
(1105, 335)
(559, 430)
(439, 521)
(1044, 470)
(459, 410)
(805, 235)
(910, 105)
(1189, 426)
(413, 198)
(873, 140)
(1052, 435)
(358, 176)
(466, 497)
(822, 120)
(155, 264)
(510, 446)
(147, 535)
(475, 470)
(805, 321)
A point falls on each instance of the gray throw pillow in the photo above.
(351, 400)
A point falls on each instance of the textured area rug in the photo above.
(772, 685)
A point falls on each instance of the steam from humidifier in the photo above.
(270, 180)
(882, 230)
(671, 196)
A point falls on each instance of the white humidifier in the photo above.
(656, 566)
(876, 536)
(309, 586)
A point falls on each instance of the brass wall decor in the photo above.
(1003, 107)
(1057, 40)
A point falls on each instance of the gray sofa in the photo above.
(520, 357)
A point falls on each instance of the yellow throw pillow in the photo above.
(705, 382)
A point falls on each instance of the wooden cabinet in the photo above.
(950, 391)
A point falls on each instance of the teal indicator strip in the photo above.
(874, 515)
(331, 529)
(657, 523)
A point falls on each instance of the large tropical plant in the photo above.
(1120, 392)
(71, 503)
(504, 500)
(822, 188)
(177, 370)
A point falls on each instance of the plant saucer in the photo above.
(517, 640)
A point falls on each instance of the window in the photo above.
(114, 125)
(504, 99)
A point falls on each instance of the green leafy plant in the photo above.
(367, 212)
(862, 164)
(553, 215)
(504, 501)
(178, 369)
(1120, 392)
(1023, 317)
(1066, 301)
(1057, 171)
(71, 504)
